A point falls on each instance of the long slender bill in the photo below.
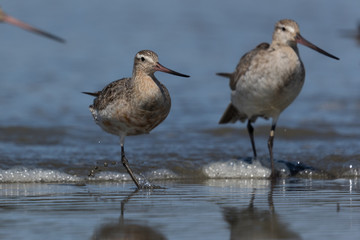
(303, 41)
(27, 27)
(161, 68)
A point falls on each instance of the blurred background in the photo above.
(42, 80)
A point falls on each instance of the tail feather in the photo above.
(231, 115)
(95, 94)
(227, 75)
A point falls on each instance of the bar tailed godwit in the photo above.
(267, 80)
(8, 19)
(133, 106)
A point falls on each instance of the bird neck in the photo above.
(293, 45)
(145, 83)
(278, 45)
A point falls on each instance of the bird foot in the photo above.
(145, 184)
(274, 175)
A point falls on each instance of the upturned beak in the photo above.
(161, 68)
(303, 41)
(8, 19)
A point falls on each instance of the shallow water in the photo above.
(210, 209)
(49, 143)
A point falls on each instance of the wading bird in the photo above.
(133, 106)
(267, 80)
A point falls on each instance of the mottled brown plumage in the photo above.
(136, 105)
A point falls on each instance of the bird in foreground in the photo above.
(267, 80)
(8, 19)
(133, 106)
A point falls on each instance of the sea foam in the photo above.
(22, 174)
(236, 169)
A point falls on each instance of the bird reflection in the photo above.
(253, 223)
(127, 230)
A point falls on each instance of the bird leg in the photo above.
(270, 146)
(251, 134)
(127, 167)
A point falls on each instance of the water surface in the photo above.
(212, 209)
(49, 142)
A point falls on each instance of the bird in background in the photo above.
(135, 105)
(11, 20)
(267, 80)
(353, 34)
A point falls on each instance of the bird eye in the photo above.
(142, 59)
(283, 29)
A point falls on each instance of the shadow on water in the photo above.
(255, 223)
(125, 229)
